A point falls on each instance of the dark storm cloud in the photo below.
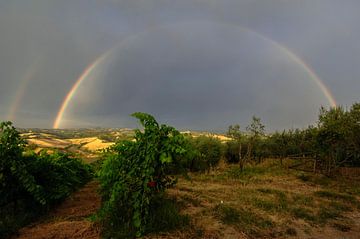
(181, 74)
(192, 75)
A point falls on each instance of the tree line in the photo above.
(333, 142)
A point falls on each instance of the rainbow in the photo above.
(88, 70)
(19, 95)
(92, 67)
(324, 89)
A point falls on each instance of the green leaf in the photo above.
(164, 158)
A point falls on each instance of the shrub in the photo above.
(135, 174)
(29, 183)
(208, 150)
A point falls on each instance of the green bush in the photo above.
(135, 174)
(232, 151)
(208, 152)
(29, 183)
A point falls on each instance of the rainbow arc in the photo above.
(102, 58)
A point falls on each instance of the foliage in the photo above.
(134, 174)
(234, 132)
(246, 146)
(333, 142)
(338, 138)
(164, 216)
(205, 153)
(30, 183)
(15, 179)
(256, 130)
(59, 174)
(232, 154)
(234, 149)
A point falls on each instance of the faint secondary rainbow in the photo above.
(92, 67)
(88, 70)
(19, 95)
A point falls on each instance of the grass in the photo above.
(267, 201)
(303, 199)
(342, 227)
(164, 216)
(242, 218)
(191, 200)
(303, 213)
(336, 196)
(277, 203)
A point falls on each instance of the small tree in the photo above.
(256, 130)
(235, 133)
(209, 151)
(135, 174)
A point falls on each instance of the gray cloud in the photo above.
(195, 69)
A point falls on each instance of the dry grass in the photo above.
(268, 202)
(264, 201)
(69, 220)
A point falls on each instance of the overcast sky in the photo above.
(199, 64)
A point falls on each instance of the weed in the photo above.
(244, 219)
(326, 213)
(265, 204)
(303, 177)
(227, 214)
(336, 196)
(246, 173)
(271, 206)
(278, 204)
(303, 213)
(339, 206)
(342, 227)
(303, 200)
(195, 202)
(164, 216)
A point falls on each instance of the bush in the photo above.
(232, 152)
(208, 152)
(135, 174)
(30, 184)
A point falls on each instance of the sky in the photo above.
(198, 65)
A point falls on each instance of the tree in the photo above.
(256, 130)
(208, 152)
(353, 135)
(235, 133)
(331, 139)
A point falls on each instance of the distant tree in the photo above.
(255, 130)
(331, 139)
(209, 152)
(235, 133)
(353, 135)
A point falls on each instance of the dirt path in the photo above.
(69, 220)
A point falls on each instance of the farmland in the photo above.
(160, 183)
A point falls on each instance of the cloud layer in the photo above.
(187, 62)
